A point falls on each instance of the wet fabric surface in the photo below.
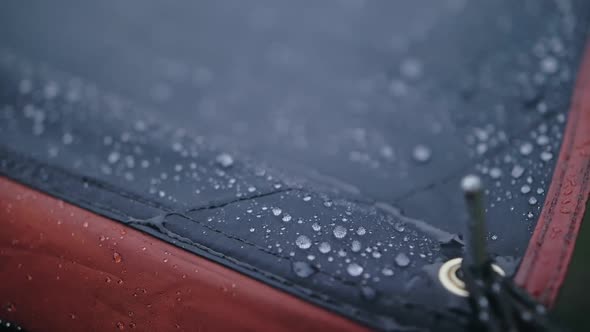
(305, 144)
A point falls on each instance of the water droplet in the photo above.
(525, 189)
(526, 149)
(546, 155)
(356, 246)
(530, 215)
(542, 107)
(421, 153)
(494, 237)
(316, 227)
(251, 189)
(67, 138)
(339, 232)
(368, 293)
(549, 65)
(303, 269)
(542, 140)
(287, 217)
(307, 198)
(276, 211)
(402, 260)
(10, 307)
(400, 227)
(387, 271)
(303, 242)
(324, 247)
(387, 152)
(361, 231)
(532, 200)
(354, 269)
(411, 68)
(225, 160)
(117, 257)
(517, 171)
(495, 173)
(113, 157)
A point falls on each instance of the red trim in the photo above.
(63, 268)
(545, 263)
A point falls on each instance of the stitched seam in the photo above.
(566, 239)
(551, 212)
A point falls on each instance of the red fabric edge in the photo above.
(63, 268)
(544, 265)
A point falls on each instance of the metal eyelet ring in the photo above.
(449, 279)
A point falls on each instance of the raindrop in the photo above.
(526, 149)
(114, 157)
(361, 231)
(51, 90)
(225, 160)
(339, 232)
(67, 138)
(517, 171)
(387, 271)
(399, 227)
(549, 65)
(356, 246)
(421, 153)
(276, 211)
(354, 269)
(398, 88)
(324, 247)
(546, 155)
(287, 217)
(307, 198)
(402, 260)
(542, 107)
(316, 227)
(542, 140)
(117, 257)
(303, 269)
(495, 173)
(387, 152)
(411, 68)
(251, 189)
(368, 293)
(303, 242)
(532, 200)
(525, 189)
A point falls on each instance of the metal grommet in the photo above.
(450, 280)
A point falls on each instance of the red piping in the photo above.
(544, 266)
